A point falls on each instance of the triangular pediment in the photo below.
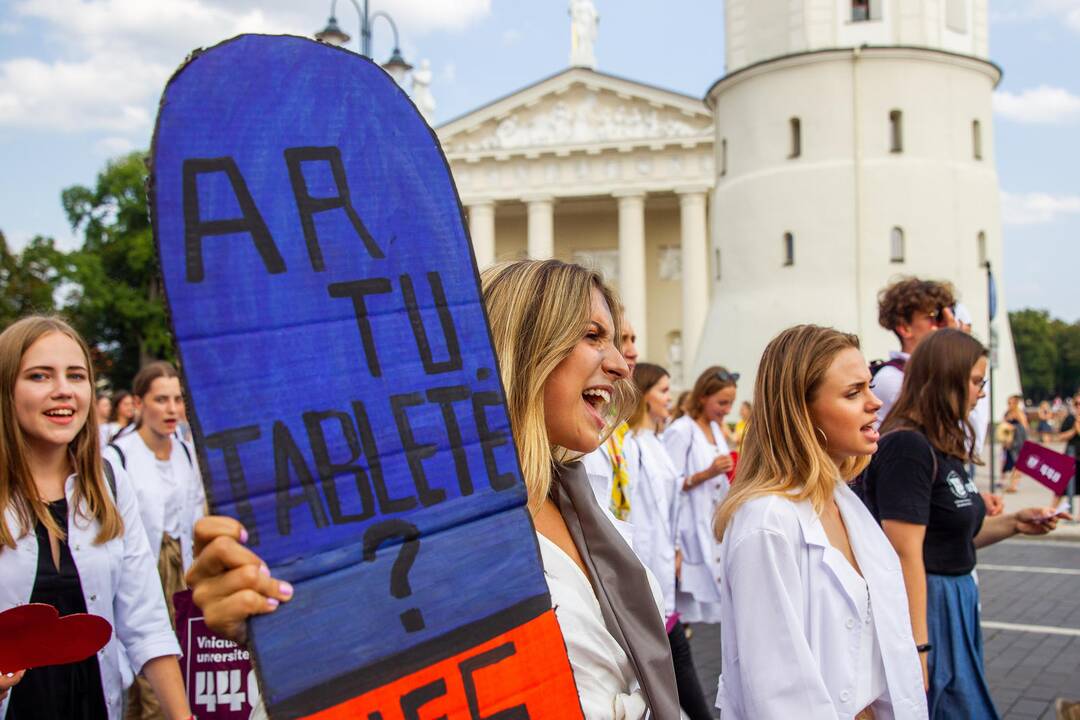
(578, 108)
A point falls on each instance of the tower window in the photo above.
(863, 10)
(896, 131)
(976, 139)
(980, 245)
(723, 157)
(716, 252)
(796, 137)
(896, 245)
(956, 15)
(789, 249)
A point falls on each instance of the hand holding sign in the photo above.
(341, 381)
(35, 635)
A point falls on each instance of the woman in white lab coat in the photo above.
(815, 619)
(701, 457)
(654, 492)
(169, 488)
(70, 533)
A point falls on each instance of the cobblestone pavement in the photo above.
(1030, 592)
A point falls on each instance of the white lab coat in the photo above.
(698, 598)
(601, 471)
(180, 494)
(654, 491)
(790, 628)
(119, 581)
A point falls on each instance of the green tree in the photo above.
(1067, 340)
(117, 298)
(28, 279)
(1036, 351)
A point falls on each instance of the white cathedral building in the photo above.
(847, 143)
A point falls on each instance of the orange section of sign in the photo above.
(519, 675)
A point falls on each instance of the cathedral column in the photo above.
(695, 272)
(541, 228)
(482, 232)
(632, 278)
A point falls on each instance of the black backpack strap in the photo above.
(110, 477)
(878, 365)
(187, 452)
(120, 453)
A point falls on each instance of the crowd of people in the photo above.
(831, 530)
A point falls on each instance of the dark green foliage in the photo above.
(28, 279)
(1048, 351)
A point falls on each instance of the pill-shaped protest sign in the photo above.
(344, 391)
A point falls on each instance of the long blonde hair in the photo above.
(538, 311)
(782, 453)
(17, 487)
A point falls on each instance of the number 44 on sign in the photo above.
(222, 687)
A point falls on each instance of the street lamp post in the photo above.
(397, 66)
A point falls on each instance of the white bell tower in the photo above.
(854, 144)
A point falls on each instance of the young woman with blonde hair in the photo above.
(696, 445)
(566, 388)
(814, 619)
(70, 534)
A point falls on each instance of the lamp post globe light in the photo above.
(397, 66)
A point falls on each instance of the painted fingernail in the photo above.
(243, 536)
(264, 570)
(273, 603)
(285, 589)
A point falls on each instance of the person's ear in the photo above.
(904, 331)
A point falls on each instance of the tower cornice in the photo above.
(866, 52)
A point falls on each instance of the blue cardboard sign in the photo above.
(342, 384)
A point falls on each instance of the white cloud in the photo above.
(1014, 11)
(108, 91)
(108, 60)
(113, 146)
(423, 16)
(510, 37)
(1037, 208)
(1043, 105)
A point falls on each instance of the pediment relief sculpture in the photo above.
(583, 120)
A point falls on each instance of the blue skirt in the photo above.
(957, 685)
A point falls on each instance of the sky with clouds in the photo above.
(80, 80)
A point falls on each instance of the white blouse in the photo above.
(606, 684)
(654, 492)
(796, 618)
(691, 452)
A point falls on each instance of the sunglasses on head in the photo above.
(726, 377)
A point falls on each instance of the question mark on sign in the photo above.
(376, 536)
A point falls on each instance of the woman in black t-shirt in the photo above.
(932, 513)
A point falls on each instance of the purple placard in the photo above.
(1050, 468)
(220, 682)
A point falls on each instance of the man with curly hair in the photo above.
(912, 309)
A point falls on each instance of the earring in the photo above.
(824, 437)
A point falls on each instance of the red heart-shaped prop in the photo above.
(35, 635)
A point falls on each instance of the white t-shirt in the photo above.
(887, 383)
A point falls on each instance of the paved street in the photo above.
(1031, 627)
